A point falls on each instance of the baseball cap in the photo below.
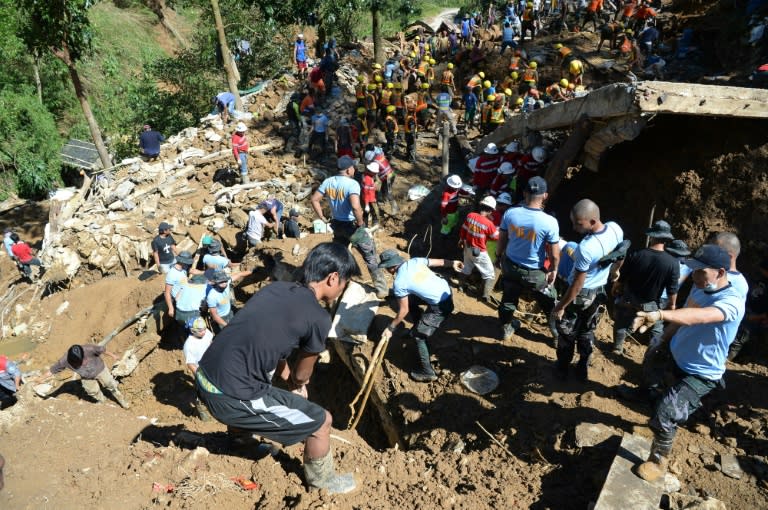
(345, 162)
(709, 256)
(196, 323)
(660, 230)
(293, 213)
(536, 185)
(678, 248)
(185, 258)
(164, 226)
(390, 258)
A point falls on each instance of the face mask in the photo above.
(710, 287)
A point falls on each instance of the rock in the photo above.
(207, 211)
(216, 223)
(120, 192)
(731, 441)
(671, 483)
(592, 434)
(239, 218)
(702, 429)
(229, 236)
(685, 502)
(729, 465)
(196, 232)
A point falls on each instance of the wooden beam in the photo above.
(696, 99)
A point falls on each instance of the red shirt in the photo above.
(485, 170)
(384, 167)
(239, 144)
(477, 229)
(369, 189)
(22, 251)
(449, 203)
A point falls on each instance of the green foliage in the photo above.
(59, 25)
(29, 144)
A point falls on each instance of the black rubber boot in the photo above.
(424, 373)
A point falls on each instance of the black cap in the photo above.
(709, 256)
(660, 230)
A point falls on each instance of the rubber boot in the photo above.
(656, 465)
(320, 474)
(245, 178)
(380, 283)
(121, 399)
(424, 373)
(487, 289)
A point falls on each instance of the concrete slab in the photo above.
(625, 490)
(354, 314)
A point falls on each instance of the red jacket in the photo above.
(22, 251)
(384, 167)
(449, 203)
(485, 170)
(369, 189)
(478, 229)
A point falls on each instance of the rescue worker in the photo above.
(371, 103)
(593, 11)
(447, 79)
(444, 113)
(386, 174)
(478, 228)
(484, 168)
(368, 196)
(240, 151)
(496, 118)
(362, 124)
(475, 84)
(529, 19)
(470, 108)
(396, 100)
(391, 130)
(422, 105)
(530, 77)
(485, 115)
(556, 92)
(609, 32)
(449, 204)
(385, 99)
(360, 90)
(576, 72)
(411, 128)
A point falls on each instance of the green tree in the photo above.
(29, 144)
(62, 27)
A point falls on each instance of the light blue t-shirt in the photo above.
(8, 242)
(215, 261)
(415, 277)
(190, 296)
(338, 189)
(220, 300)
(508, 34)
(702, 349)
(739, 283)
(685, 272)
(591, 249)
(175, 278)
(567, 252)
(527, 230)
(319, 122)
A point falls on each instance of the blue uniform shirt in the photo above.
(338, 189)
(739, 283)
(527, 230)
(190, 297)
(175, 278)
(567, 252)
(301, 49)
(470, 100)
(220, 300)
(415, 277)
(508, 35)
(702, 349)
(591, 249)
(215, 261)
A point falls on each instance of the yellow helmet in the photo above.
(491, 98)
(377, 78)
(575, 66)
(426, 47)
(571, 86)
(450, 65)
(425, 86)
(486, 84)
(398, 85)
(558, 46)
(529, 4)
(390, 85)
(508, 92)
(481, 74)
(377, 66)
(418, 38)
(432, 61)
(371, 86)
(519, 101)
(563, 82)
(533, 65)
(412, 54)
(514, 75)
(390, 108)
(360, 78)
(360, 111)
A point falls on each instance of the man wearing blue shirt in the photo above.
(697, 337)
(318, 134)
(416, 284)
(731, 244)
(524, 235)
(577, 313)
(343, 194)
(218, 298)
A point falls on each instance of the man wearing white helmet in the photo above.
(478, 228)
(484, 168)
(449, 204)
(526, 233)
(529, 165)
(504, 180)
(386, 174)
(240, 150)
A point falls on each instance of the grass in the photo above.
(390, 26)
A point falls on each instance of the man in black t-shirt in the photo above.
(644, 276)
(234, 377)
(164, 248)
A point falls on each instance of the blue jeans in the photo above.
(507, 44)
(243, 163)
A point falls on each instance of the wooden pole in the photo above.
(446, 147)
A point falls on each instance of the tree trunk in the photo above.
(93, 126)
(226, 55)
(378, 46)
(38, 83)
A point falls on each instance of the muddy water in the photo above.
(14, 346)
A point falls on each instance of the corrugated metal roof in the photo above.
(80, 154)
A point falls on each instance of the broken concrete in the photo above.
(622, 488)
(592, 434)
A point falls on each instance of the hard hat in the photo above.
(432, 61)
(514, 75)
(519, 101)
(390, 85)
(377, 78)
(489, 202)
(450, 65)
(425, 86)
(504, 198)
(240, 128)
(361, 111)
(491, 98)
(575, 66)
(300, 36)
(418, 38)
(506, 168)
(481, 74)
(539, 154)
(371, 86)
(512, 147)
(530, 4)
(372, 167)
(369, 155)
(377, 66)
(533, 65)
(398, 85)
(360, 78)
(508, 92)
(454, 181)
(487, 84)
(563, 82)
(571, 86)
(390, 108)
(558, 46)
(491, 149)
(412, 54)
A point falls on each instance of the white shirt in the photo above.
(256, 222)
(194, 348)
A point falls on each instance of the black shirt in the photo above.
(162, 245)
(647, 272)
(276, 320)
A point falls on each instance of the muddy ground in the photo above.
(69, 452)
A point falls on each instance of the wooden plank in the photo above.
(622, 488)
(696, 99)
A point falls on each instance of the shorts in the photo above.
(301, 65)
(278, 415)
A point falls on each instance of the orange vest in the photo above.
(385, 97)
(565, 51)
(529, 75)
(421, 102)
(514, 64)
(497, 115)
(475, 81)
(360, 91)
(396, 99)
(370, 101)
(447, 78)
(410, 123)
(391, 122)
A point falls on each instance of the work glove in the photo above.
(458, 266)
(386, 334)
(644, 320)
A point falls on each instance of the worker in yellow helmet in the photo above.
(485, 114)
(576, 71)
(447, 79)
(391, 129)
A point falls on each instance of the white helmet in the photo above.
(489, 202)
(369, 155)
(373, 167)
(491, 149)
(504, 198)
(539, 154)
(512, 147)
(454, 181)
(506, 168)
(240, 128)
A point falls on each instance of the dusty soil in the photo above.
(69, 452)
